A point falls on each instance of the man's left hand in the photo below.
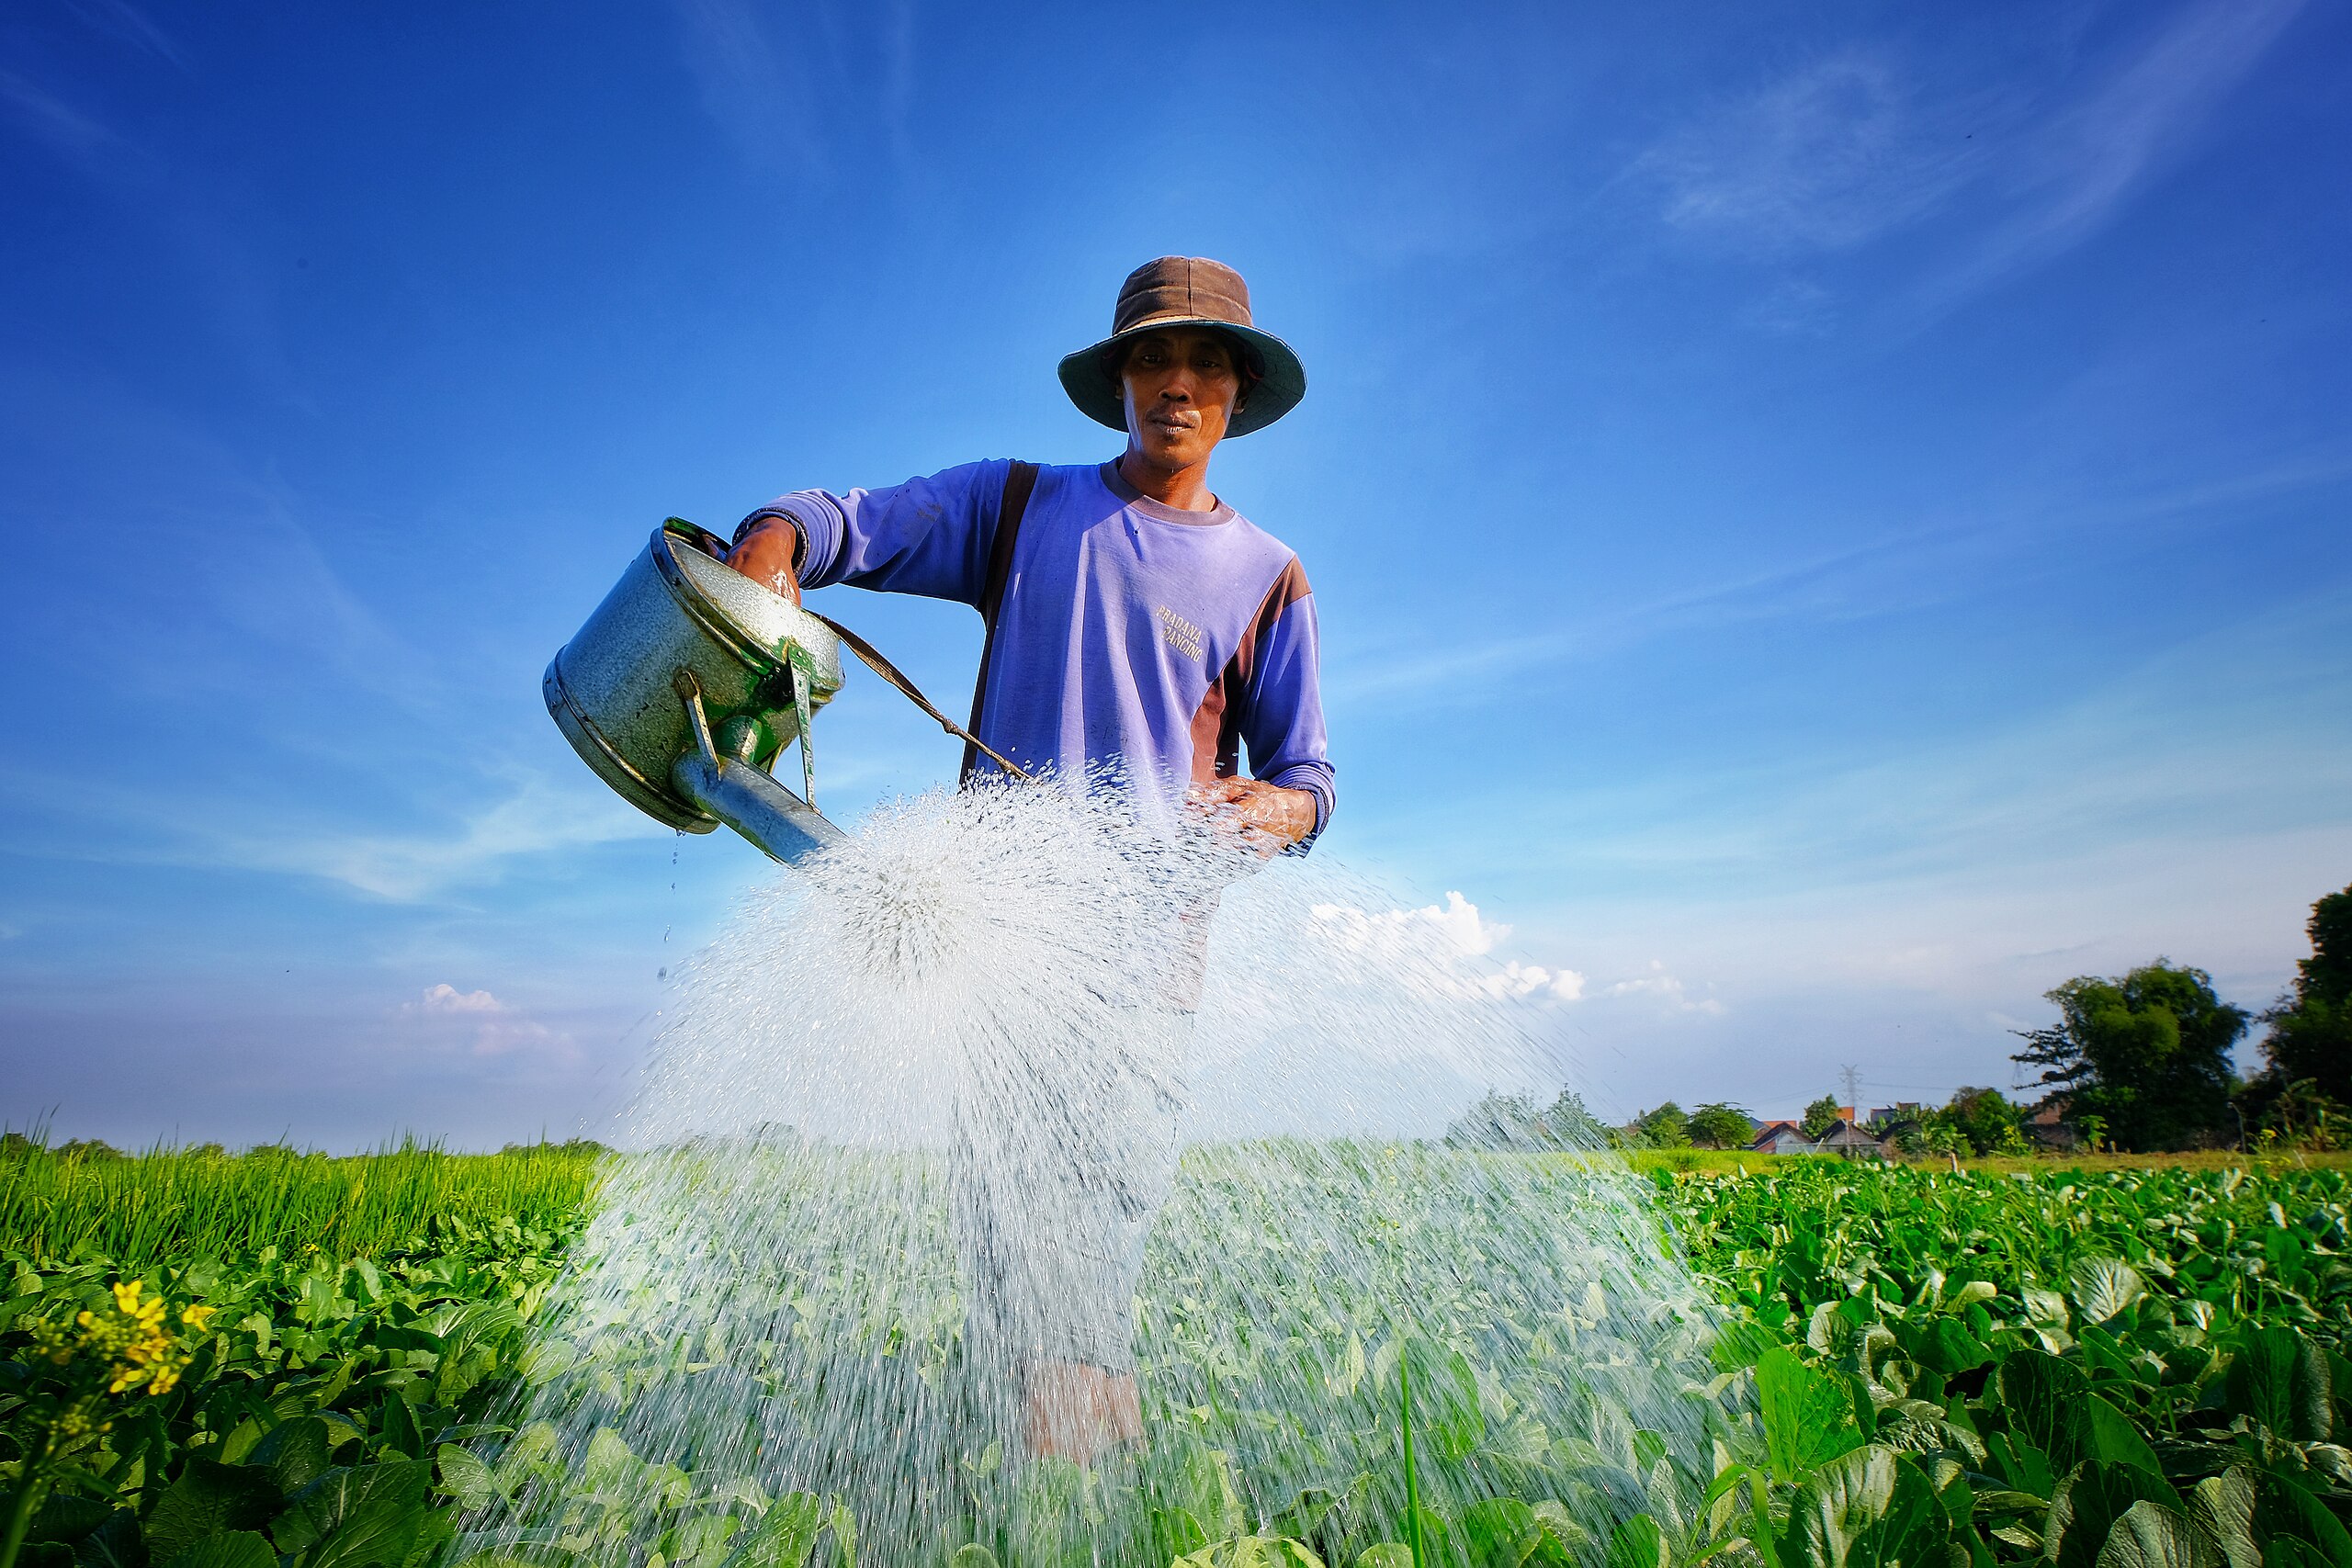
(1267, 817)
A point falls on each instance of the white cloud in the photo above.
(1457, 920)
(1666, 987)
(482, 1025)
(1447, 949)
(1533, 980)
(446, 997)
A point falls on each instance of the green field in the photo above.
(2118, 1366)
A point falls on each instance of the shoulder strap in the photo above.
(1019, 481)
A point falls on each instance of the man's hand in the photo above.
(1266, 818)
(765, 554)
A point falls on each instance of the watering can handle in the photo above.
(890, 671)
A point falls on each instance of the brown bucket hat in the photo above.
(1186, 291)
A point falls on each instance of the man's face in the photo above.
(1180, 388)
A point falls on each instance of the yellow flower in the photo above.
(126, 1296)
(198, 1317)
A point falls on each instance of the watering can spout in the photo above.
(729, 785)
(755, 806)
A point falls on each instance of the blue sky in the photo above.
(1828, 520)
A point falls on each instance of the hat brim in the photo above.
(1099, 397)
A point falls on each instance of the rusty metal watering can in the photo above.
(687, 685)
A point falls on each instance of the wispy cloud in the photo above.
(280, 595)
(2218, 737)
(202, 217)
(759, 93)
(1862, 142)
(77, 138)
(1836, 154)
(121, 20)
(534, 816)
(111, 820)
(784, 83)
(1844, 584)
(2080, 166)
(1908, 566)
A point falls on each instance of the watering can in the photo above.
(688, 684)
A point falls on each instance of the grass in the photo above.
(179, 1204)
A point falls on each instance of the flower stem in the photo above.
(21, 1507)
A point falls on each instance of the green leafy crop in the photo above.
(1902, 1367)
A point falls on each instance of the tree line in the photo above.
(1973, 1121)
(2137, 1063)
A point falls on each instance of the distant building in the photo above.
(1851, 1142)
(2049, 1128)
(1843, 1138)
(1780, 1138)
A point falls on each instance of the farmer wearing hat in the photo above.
(1140, 627)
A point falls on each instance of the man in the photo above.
(1138, 626)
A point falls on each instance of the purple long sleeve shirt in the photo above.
(1132, 635)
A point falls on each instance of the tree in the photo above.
(2148, 1052)
(1665, 1128)
(1821, 1116)
(1983, 1122)
(1571, 1127)
(1717, 1126)
(2310, 1027)
(1512, 1122)
(1498, 1122)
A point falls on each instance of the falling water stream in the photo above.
(925, 1099)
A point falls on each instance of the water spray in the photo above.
(1003, 1109)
